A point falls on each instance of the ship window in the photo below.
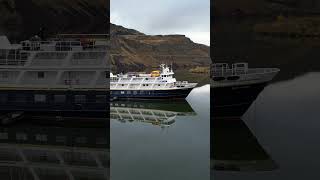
(61, 139)
(21, 98)
(101, 98)
(3, 135)
(128, 92)
(3, 98)
(122, 92)
(75, 43)
(4, 75)
(135, 92)
(3, 54)
(81, 140)
(79, 98)
(40, 75)
(60, 98)
(21, 136)
(101, 140)
(40, 98)
(41, 137)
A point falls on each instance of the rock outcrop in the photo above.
(21, 19)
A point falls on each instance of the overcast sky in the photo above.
(153, 17)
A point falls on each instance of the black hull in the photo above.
(234, 101)
(150, 94)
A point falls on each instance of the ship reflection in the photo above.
(43, 149)
(158, 113)
(235, 148)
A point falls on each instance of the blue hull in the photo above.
(150, 94)
(64, 103)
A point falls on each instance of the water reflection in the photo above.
(284, 121)
(38, 148)
(162, 114)
(235, 148)
(166, 139)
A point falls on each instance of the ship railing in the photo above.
(50, 55)
(137, 79)
(182, 82)
(88, 55)
(14, 58)
(262, 70)
(250, 73)
(74, 82)
(50, 45)
(60, 46)
(223, 69)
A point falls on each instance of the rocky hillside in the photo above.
(21, 19)
(225, 8)
(132, 50)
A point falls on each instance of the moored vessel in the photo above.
(159, 84)
(66, 74)
(233, 89)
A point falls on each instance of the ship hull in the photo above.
(234, 101)
(70, 103)
(151, 94)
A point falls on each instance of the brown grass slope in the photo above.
(136, 51)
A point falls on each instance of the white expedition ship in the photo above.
(158, 84)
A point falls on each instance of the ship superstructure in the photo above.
(68, 72)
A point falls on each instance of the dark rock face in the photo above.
(227, 8)
(116, 30)
(21, 19)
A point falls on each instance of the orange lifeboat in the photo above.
(155, 73)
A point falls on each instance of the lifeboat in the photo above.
(155, 73)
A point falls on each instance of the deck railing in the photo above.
(59, 45)
(14, 57)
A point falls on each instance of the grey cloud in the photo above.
(163, 16)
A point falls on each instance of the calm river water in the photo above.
(277, 138)
(162, 140)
